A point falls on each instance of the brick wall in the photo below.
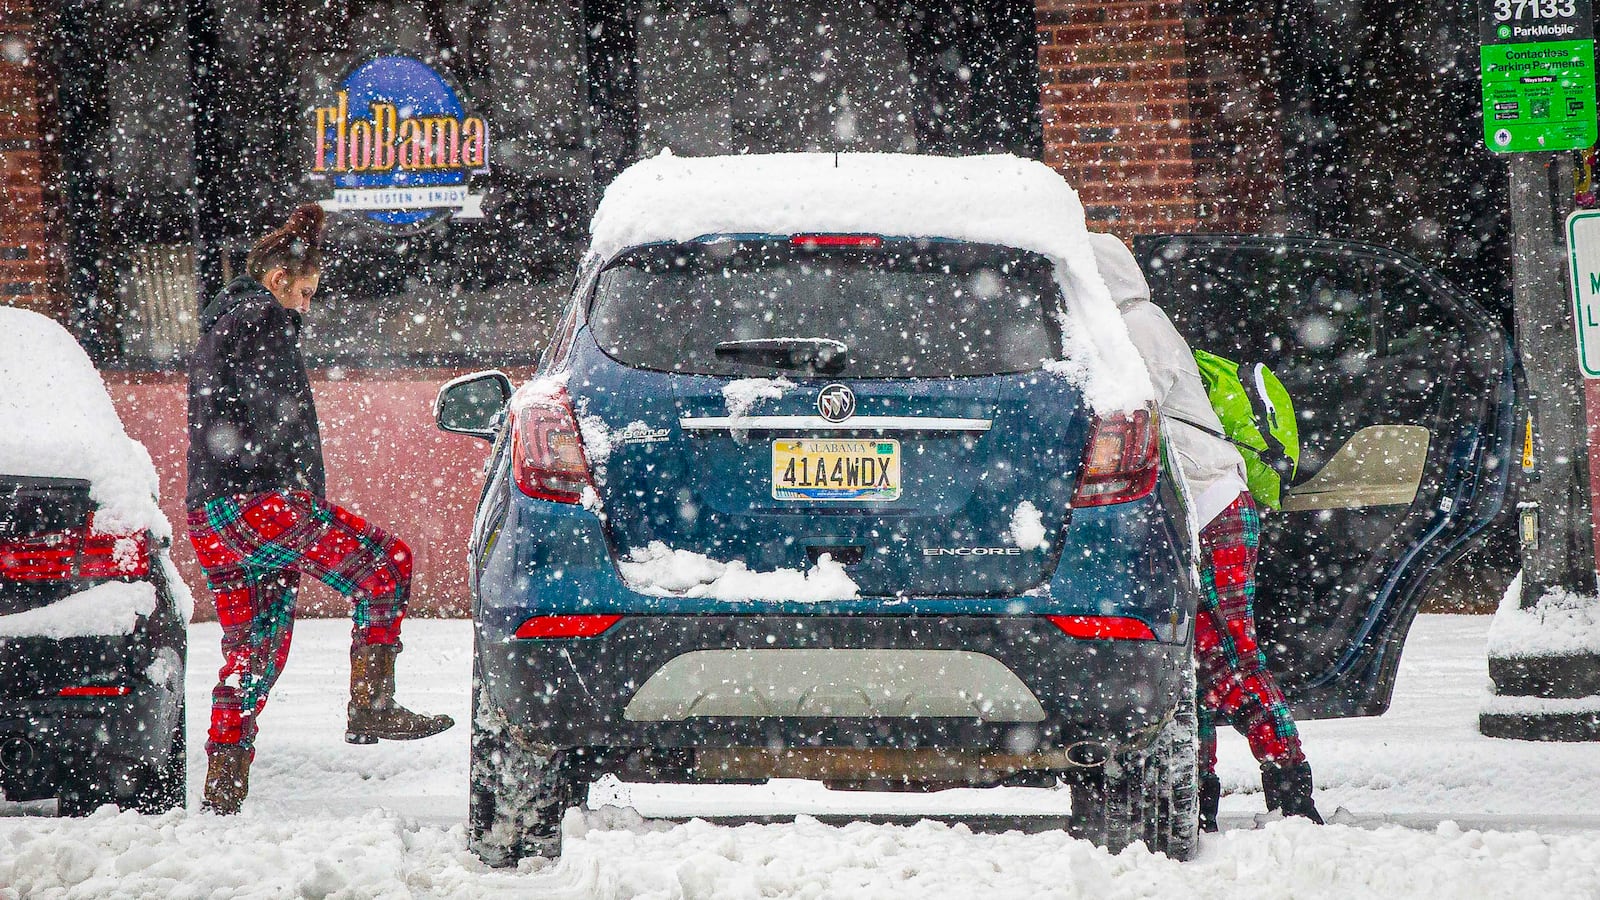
(30, 257)
(1161, 113)
(1238, 149)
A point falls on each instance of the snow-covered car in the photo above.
(839, 467)
(93, 616)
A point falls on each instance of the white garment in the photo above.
(1212, 466)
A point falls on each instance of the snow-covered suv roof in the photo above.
(995, 199)
(56, 420)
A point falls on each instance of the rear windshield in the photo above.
(904, 309)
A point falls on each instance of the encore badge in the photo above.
(399, 146)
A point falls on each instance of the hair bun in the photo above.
(305, 223)
(297, 246)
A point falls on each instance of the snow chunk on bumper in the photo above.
(660, 571)
(1027, 528)
(106, 609)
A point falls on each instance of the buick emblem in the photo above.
(836, 403)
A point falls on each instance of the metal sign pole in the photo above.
(1538, 99)
(1562, 554)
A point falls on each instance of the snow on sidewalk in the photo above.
(326, 819)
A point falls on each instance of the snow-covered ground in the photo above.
(1431, 809)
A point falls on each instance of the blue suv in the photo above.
(814, 505)
(825, 504)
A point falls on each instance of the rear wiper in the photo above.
(809, 354)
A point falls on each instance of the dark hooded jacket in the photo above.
(252, 421)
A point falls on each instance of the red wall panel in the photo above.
(385, 459)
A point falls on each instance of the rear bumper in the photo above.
(553, 559)
(48, 735)
(574, 692)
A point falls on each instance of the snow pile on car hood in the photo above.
(56, 420)
(996, 199)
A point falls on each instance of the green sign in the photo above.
(1537, 66)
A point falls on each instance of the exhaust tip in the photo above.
(16, 754)
(1088, 754)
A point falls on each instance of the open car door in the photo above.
(1405, 394)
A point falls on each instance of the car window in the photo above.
(1259, 304)
(902, 309)
(1412, 318)
(1307, 315)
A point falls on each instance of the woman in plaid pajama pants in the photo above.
(258, 517)
(253, 549)
(1235, 684)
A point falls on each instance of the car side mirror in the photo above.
(473, 404)
(1381, 465)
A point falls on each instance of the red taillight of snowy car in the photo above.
(108, 555)
(74, 553)
(1121, 461)
(547, 458)
(95, 690)
(820, 241)
(1103, 628)
(580, 626)
(39, 557)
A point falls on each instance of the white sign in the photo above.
(467, 205)
(1583, 241)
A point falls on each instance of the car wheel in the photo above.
(517, 792)
(1180, 793)
(1151, 795)
(166, 787)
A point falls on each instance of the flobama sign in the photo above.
(399, 146)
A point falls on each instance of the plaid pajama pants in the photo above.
(253, 549)
(1234, 682)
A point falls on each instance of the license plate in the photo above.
(835, 470)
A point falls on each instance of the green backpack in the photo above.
(1258, 418)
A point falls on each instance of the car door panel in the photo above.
(1371, 348)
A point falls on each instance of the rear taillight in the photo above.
(566, 626)
(114, 555)
(75, 553)
(40, 557)
(1103, 628)
(95, 690)
(1121, 461)
(547, 458)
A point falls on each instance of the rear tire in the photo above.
(517, 792)
(1149, 795)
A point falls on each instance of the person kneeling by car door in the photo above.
(1234, 682)
(258, 517)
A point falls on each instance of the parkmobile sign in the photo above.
(399, 146)
(1536, 61)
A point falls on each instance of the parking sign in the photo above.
(1537, 66)
(1583, 242)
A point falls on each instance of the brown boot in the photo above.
(227, 780)
(373, 713)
